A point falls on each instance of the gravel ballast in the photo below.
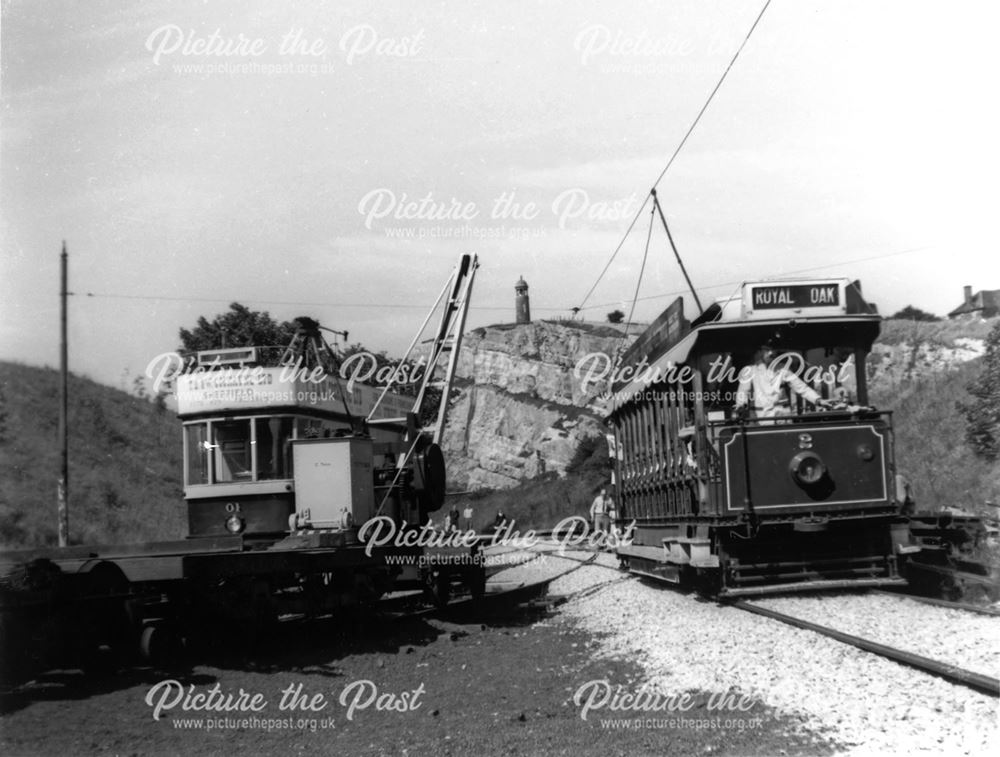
(875, 705)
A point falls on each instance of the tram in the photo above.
(747, 476)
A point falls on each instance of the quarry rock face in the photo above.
(889, 365)
(520, 411)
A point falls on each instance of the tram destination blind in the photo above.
(795, 296)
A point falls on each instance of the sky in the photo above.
(335, 159)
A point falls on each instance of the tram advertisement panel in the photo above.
(256, 387)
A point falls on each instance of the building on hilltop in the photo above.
(522, 307)
(983, 304)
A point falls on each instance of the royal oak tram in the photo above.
(742, 476)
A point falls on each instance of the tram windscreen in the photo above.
(232, 448)
(196, 450)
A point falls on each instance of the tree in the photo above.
(910, 313)
(982, 415)
(240, 327)
(380, 359)
(616, 316)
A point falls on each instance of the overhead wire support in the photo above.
(678, 149)
(663, 219)
(62, 492)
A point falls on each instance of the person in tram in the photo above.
(764, 384)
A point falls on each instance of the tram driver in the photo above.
(764, 384)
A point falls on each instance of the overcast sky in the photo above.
(196, 153)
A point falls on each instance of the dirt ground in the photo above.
(414, 687)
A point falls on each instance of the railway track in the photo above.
(520, 593)
(534, 595)
(949, 671)
(978, 681)
(963, 580)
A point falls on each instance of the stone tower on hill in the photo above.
(522, 307)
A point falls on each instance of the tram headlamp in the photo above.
(234, 524)
(807, 468)
(865, 452)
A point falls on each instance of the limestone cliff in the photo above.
(519, 411)
(907, 351)
(892, 365)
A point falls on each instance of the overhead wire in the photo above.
(379, 305)
(638, 284)
(794, 272)
(642, 268)
(717, 285)
(676, 152)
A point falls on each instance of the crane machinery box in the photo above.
(333, 478)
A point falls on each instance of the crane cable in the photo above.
(676, 152)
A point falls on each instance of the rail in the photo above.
(952, 673)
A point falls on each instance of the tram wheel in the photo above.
(437, 585)
(158, 644)
(475, 582)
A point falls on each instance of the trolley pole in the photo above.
(63, 408)
(663, 219)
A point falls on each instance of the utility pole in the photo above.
(63, 407)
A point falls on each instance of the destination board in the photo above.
(781, 296)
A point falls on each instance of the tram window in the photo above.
(232, 448)
(196, 450)
(273, 435)
(832, 371)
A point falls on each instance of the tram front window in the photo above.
(196, 449)
(232, 451)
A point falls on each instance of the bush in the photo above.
(982, 414)
(911, 313)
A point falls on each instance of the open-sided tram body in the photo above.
(740, 503)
